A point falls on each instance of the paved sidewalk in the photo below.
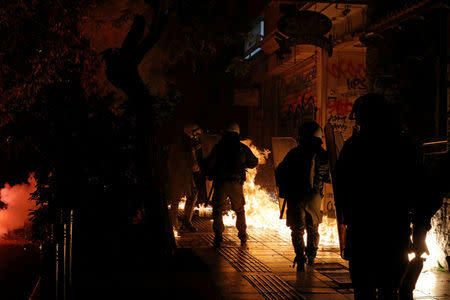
(264, 270)
(197, 270)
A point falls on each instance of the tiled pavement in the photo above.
(264, 270)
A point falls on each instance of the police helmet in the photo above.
(233, 127)
(308, 130)
(368, 108)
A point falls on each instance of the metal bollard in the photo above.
(65, 262)
(70, 247)
(57, 271)
(60, 255)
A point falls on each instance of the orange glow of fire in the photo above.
(431, 259)
(433, 247)
(176, 234)
(262, 210)
(427, 281)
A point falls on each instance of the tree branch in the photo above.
(131, 42)
(157, 27)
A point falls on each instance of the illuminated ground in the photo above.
(264, 270)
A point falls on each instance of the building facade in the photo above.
(397, 48)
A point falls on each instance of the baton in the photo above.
(209, 195)
(282, 208)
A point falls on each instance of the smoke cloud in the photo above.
(18, 205)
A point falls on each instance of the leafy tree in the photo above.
(88, 147)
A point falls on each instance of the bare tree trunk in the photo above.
(122, 72)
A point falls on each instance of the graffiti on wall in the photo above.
(346, 82)
(298, 101)
(347, 68)
(339, 107)
(298, 109)
(301, 82)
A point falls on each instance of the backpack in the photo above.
(291, 176)
(230, 164)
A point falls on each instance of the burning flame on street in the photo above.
(431, 259)
(262, 209)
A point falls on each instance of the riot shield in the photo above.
(335, 142)
(208, 142)
(280, 147)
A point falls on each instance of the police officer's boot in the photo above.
(244, 239)
(312, 243)
(299, 260)
(187, 226)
